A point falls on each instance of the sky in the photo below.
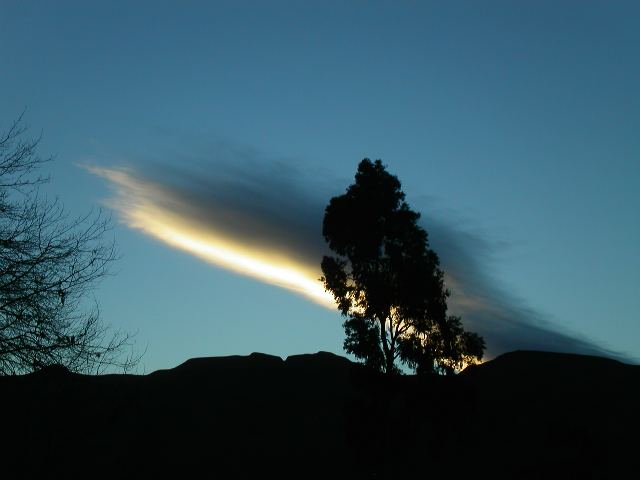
(215, 133)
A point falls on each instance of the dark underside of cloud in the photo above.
(276, 206)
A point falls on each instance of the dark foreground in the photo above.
(523, 415)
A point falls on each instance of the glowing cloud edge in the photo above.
(136, 206)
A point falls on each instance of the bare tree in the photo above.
(49, 266)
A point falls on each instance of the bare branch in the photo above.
(49, 263)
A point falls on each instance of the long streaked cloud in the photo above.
(208, 227)
(263, 219)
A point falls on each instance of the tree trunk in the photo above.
(389, 368)
(388, 355)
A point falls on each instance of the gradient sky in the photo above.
(513, 127)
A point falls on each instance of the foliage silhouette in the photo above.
(49, 263)
(388, 282)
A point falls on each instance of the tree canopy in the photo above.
(387, 281)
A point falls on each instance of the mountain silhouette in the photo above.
(523, 415)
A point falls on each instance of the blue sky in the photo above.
(512, 126)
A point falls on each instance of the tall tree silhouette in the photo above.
(388, 282)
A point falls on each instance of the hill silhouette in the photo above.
(522, 415)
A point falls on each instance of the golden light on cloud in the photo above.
(232, 223)
(144, 206)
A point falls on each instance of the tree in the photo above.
(49, 264)
(387, 282)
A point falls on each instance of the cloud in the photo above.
(506, 322)
(263, 218)
(216, 226)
